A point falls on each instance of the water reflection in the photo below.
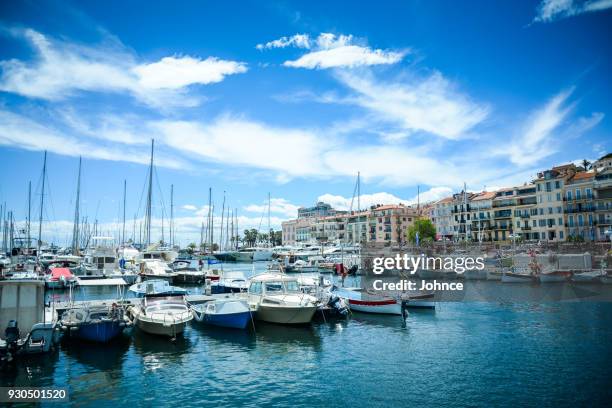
(287, 338)
(97, 356)
(242, 340)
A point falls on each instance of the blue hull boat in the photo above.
(102, 332)
(232, 313)
(97, 324)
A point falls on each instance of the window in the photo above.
(560, 234)
(557, 184)
(580, 220)
(569, 195)
(541, 211)
(559, 210)
(589, 193)
(577, 194)
(549, 197)
(539, 187)
(534, 223)
(558, 196)
(255, 288)
(550, 210)
(274, 286)
(548, 188)
(571, 220)
(560, 221)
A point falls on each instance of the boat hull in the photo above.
(385, 306)
(494, 275)
(102, 332)
(230, 320)
(167, 277)
(189, 277)
(160, 329)
(285, 315)
(516, 278)
(554, 277)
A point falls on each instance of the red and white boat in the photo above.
(363, 302)
(555, 276)
(60, 278)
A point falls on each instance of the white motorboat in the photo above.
(155, 287)
(163, 316)
(229, 282)
(277, 298)
(554, 276)
(156, 269)
(513, 277)
(225, 312)
(592, 276)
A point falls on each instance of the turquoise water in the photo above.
(463, 354)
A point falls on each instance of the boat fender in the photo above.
(74, 328)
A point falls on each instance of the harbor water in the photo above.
(461, 354)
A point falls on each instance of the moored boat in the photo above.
(163, 316)
(156, 288)
(60, 278)
(513, 277)
(225, 312)
(364, 302)
(276, 298)
(97, 324)
(554, 276)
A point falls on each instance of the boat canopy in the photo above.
(58, 273)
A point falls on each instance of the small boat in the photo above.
(60, 278)
(156, 288)
(23, 306)
(554, 276)
(420, 301)
(365, 302)
(277, 298)
(226, 312)
(156, 269)
(513, 277)
(494, 274)
(163, 316)
(185, 276)
(588, 276)
(230, 282)
(98, 324)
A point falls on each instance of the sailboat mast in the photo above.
(269, 228)
(227, 228)
(171, 215)
(75, 231)
(149, 199)
(209, 237)
(42, 203)
(237, 233)
(124, 194)
(221, 231)
(28, 225)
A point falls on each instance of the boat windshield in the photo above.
(280, 286)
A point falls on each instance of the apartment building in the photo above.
(579, 209)
(442, 217)
(481, 206)
(548, 224)
(602, 186)
(380, 223)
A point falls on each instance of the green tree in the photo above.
(425, 228)
(586, 164)
(191, 247)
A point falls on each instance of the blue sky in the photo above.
(293, 98)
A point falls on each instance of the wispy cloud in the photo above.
(334, 51)
(551, 10)
(62, 69)
(540, 135)
(431, 104)
(297, 40)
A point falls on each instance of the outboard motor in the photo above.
(337, 304)
(11, 334)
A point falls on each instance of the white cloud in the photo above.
(62, 69)
(297, 40)
(551, 10)
(431, 104)
(175, 73)
(535, 141)
(334, 51)
(346, 56)
(189, 207)
(26, 133)
(277, 206)
(366, 200)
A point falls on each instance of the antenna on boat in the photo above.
(221, 229)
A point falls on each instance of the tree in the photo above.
(586, 164)
(425, 228)
(191, 247)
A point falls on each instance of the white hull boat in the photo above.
(510, 277)
(162, 316)
(359, 301)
